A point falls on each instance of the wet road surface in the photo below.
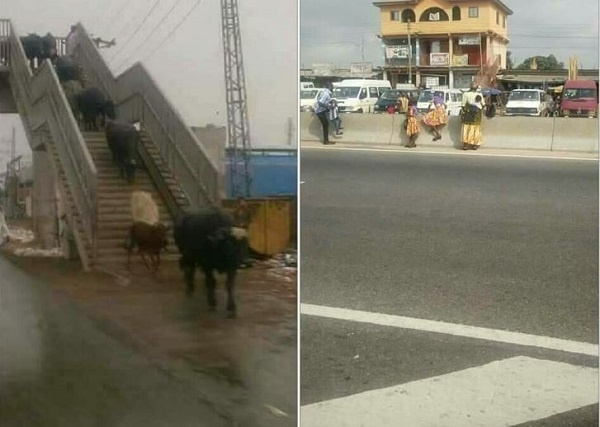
(127, 356)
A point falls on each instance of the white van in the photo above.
(306, 85)
(308, 98)
(359, 96)
(452, 98)
(526, 102)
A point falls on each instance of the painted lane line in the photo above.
(445, 153)
(456, 329)
(502, 393)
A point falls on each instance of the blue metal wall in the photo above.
(274, 173)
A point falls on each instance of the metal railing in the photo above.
(4, 43)
(43, 104)
(137, 97)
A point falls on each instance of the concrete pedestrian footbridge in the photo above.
(76, 168)
(514, 133)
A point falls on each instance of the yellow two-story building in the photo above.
(450, 40)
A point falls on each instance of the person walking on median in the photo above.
(411, 126)
(471, 124)
(436, 118)
(322, 109)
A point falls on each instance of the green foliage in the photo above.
(543, 63)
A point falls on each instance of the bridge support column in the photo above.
(45, 219)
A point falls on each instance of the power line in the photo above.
(152, 32)
(136, 30)
(172, 31)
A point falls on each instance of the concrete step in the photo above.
(126, 208)
(111, 229)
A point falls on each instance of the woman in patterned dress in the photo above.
(471, 124)
(411, 125)
(436, 118)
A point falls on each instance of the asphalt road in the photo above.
(58, 369)
(508, 244)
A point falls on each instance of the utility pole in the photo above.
(238, 127)
(362, 48)
(409, 53)
(290, 131)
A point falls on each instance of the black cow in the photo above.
(71, 88)
(67, 69)
(32, 45)
(209, 240)
(49, 47)
(92, 105)
(122, 138)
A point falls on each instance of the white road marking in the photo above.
(452, 153)
(302, 182)
(502, 393)
(466, 331)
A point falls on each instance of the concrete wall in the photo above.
(213, 139)
(517, 133)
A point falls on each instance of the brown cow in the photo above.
(150, 240)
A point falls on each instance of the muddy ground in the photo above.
(246, 366)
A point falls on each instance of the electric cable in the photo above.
(168, 35)
(136, 31)
(152, 32)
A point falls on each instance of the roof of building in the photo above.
(499, 3)
(548, 76)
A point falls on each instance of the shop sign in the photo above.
(396, 52)
(439, 59)
(460, 60)
(469, 40)
(361, 68)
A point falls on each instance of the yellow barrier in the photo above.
(272, 226)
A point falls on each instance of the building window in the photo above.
(503, 21)
(497, 18)
(434, 14)
(474, 12)
(408, 15)
(395, 15)
(456, 13)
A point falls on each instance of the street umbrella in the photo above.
(490, 91)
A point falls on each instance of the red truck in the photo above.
(579, 99)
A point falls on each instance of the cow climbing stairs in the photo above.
(114, 203)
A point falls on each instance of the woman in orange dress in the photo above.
(436, 118)
(411, 125)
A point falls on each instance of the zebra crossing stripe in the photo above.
(456, 329)
(502, 393)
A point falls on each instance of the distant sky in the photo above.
(333, 32)
(189, 66)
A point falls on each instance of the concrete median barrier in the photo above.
(516, 133)
(575, 134)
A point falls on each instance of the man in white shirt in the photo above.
(71, 41)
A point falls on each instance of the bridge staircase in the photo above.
(174, 166)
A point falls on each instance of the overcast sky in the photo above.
(332, 32)
(189, 66)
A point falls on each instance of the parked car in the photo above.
(452, 98)
(579, 99)
(526, 102)
(390, 97)
(359, 96)
(308, 98)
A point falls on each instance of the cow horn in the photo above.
(238, 233)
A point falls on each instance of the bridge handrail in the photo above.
(40, 95)
(138, 97)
